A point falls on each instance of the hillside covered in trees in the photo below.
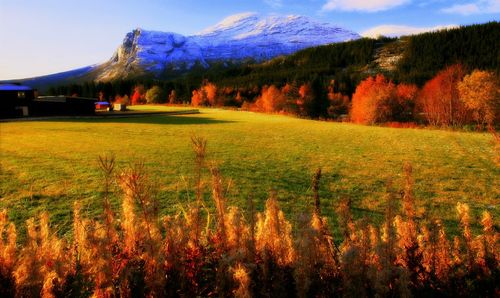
(422, 56)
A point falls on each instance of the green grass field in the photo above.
(47, 165)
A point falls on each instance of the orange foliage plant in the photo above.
(138, 96)
(372, 101)
(205, 95)
(480, 93)
(439, 99)
(271, 100)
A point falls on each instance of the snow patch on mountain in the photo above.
(232, 23)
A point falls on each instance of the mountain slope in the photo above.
(62, 78)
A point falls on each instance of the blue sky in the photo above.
(47, 36)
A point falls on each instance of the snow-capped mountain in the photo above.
(248, 35)
(236, 38)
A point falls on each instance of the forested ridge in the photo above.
(475, 46)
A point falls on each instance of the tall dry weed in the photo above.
(243, 281)
(134, 253)
(43, 264)
(8, 255)
(143, 240)
(274, 247)
(273, 235)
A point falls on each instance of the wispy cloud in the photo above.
(427, 3)
(362, 5)
(476, 7)
(400, 30)
(274, 3)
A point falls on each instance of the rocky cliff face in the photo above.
(236, 38)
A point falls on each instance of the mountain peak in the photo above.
(247, 25)
(231, 22)
(235, 38)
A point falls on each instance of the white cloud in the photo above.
(427, 3)
(274, 3)
(465, 9)
(399, 30)
(477, 7)
(362, 5)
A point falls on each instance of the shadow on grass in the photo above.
(149, 119)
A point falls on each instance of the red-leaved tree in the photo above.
(139, 94)
(439, 100)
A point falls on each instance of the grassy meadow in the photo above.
(47, 165)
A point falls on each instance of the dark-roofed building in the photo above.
(63, 105)
(15, 100)
(20, 101)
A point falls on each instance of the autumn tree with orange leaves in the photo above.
(210, 91)
(480, 93)
(172, 97)
(206, 95)
(271, 100)
(372, 101)
(197, 98)
(439, 101)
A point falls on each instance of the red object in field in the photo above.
(101, 105)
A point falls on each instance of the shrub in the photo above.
(155, 95)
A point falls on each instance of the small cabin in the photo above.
(102, 106)
(15, 100)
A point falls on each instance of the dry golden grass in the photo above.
(135, 253)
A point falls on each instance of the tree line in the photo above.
(451, 98)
